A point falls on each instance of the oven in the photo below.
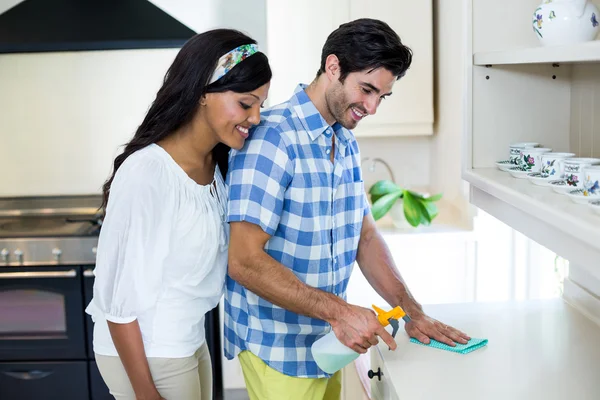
(41, 312)
(46, 245)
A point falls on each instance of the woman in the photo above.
(162, 251)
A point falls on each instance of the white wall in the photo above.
(64, 115)
(89, 103)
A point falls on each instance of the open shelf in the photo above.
(577, 53)
(551, 219)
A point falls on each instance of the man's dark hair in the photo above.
(366, 44)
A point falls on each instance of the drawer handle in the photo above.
(40, 274)
(375, 374)
(28, 375)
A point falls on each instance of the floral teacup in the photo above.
(515, 150)
(574, 170)
(530, 158)
(591, 183)
(552, 165)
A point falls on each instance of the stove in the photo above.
(49, 230)
(47, 257)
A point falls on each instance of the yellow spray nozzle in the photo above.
(384, 316)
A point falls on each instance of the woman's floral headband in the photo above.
(231, 59)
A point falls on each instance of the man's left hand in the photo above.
(422, 328)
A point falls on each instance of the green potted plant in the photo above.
(419, 209)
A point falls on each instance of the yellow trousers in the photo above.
(265, 383)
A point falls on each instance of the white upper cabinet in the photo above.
(295, 37)
(520, 91)
(409, 111)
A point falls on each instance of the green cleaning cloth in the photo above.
(471, 345)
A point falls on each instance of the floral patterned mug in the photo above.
(530, 158)
(574, 170)
(553, 166)
(591, 182)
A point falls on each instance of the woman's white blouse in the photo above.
(162, 255)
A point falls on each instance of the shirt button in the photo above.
(328, 151)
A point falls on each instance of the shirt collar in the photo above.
(312, 120)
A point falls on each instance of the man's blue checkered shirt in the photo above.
(283, 180)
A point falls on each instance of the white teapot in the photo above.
(559, 22)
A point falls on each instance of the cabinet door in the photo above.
(382, 385)
(295, 37)
(296, 32)
(409, 111)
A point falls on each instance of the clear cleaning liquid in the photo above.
(331, 355)
(331, 363)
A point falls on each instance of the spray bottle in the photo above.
(331, 355)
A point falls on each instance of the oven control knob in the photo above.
(56, 252)
(19, 254)
(94, 250)
(4, 253)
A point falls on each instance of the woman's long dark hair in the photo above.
(185, 83)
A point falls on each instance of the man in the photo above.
(300, 219)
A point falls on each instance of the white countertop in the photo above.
(537, 350)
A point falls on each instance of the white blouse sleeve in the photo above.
(134, 242)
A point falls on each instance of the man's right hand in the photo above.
(357, 328)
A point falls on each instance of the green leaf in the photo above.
(384, 204)
(413, 209)
(381, 188)
(432, 210)
(435, 197)
(416, 195)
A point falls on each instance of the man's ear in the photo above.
(332, 67)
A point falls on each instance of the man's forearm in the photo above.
(272, 281)
(377, 265)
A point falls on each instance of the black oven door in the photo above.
(41, 314)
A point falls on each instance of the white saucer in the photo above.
(537, 179)
(504, 165)
(595, 205)
(578, 196)
(560, 186)
(518, 172)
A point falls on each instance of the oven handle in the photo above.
(39, 274)
(28, 375)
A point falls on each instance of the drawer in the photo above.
(44, 380)
(382, 387)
